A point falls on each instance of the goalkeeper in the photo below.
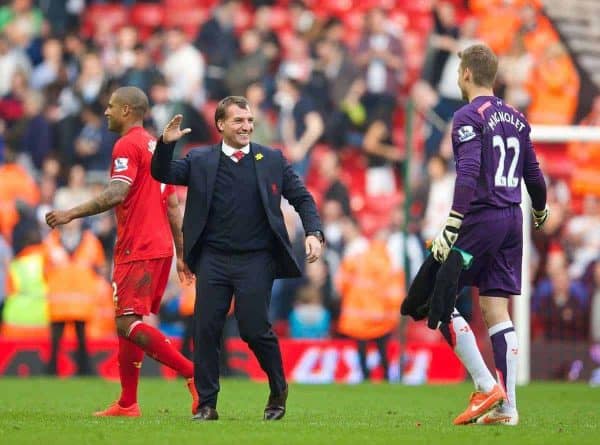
(493, 153)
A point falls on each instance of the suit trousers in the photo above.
(249, 277)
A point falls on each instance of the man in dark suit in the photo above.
(235, 241)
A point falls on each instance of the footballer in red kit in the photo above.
(144, 247)
(148, 224)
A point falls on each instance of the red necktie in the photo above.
(238, 155)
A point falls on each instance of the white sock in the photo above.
(461, 338)
(506, 356)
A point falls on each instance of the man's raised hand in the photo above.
(172, 131)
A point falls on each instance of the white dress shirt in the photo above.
(229, 151)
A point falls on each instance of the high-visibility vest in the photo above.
(27, 305)
(72, 281)
(71, 293)
(371, 293)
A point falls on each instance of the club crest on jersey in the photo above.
(121, 164)
(151, 146)
(466, 133)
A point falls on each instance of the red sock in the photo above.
(130, 363)
(160, 348)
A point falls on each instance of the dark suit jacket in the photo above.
(275, 177)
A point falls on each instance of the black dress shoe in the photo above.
(275, 408)
(206, 413)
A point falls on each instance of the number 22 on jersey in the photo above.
(500, 179)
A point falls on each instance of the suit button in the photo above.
(127, 252)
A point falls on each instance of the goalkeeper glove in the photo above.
(441, 245)
(540, 216)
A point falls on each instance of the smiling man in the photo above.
(235, 241)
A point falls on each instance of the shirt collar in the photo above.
(229, 150)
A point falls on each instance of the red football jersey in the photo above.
(143, 230)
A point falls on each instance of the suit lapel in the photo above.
(212, 165)
(261, 174)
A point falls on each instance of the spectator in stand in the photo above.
(371, 291)
(301, 123)
(12, 59)
(5, 259)
(142, 73)
(296, 62)
(332, 75)
(47, 186)
(439, 196)
(92, 78)
(586, 156)
(593, 282)
(538, 33)
(47, 72)
(93, 145)
(330, 171)
(441, 42)
(309, 318)
(22, 13)
(497, 34)
(119, 58)
(37, 138)
(264, 129)
(76, 263)
(163, 107)
(380, 56)
(12, 106)
(553, 87)
(17, 183)
(514, 69)
(250, 66)
(25, 307)
(218, 43)
(406, 249)
(563, 311)
(183, 69)
(304, 22)
(383, 157)
(271, 45)
(333, 217)
(75, 191)
(582, 237)
(449, 95)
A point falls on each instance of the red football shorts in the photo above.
(138, 286)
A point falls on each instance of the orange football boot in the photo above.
(195, 398)
(116, 410)
(479, 404)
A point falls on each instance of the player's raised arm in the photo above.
(113, 195)
(163, 168)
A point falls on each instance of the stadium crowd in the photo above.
(328, 86)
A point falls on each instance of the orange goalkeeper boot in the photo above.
(479, 404)
(116, 410)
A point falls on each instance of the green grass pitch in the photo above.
(57, 411)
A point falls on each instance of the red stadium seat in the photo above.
(188, 19)
(146, 17)
(186, 4)
(147, 14)
(112, 15)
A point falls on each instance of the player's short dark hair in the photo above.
(222, 106)
(135, 98)
(482, 62)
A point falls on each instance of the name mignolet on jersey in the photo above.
(505, 116)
